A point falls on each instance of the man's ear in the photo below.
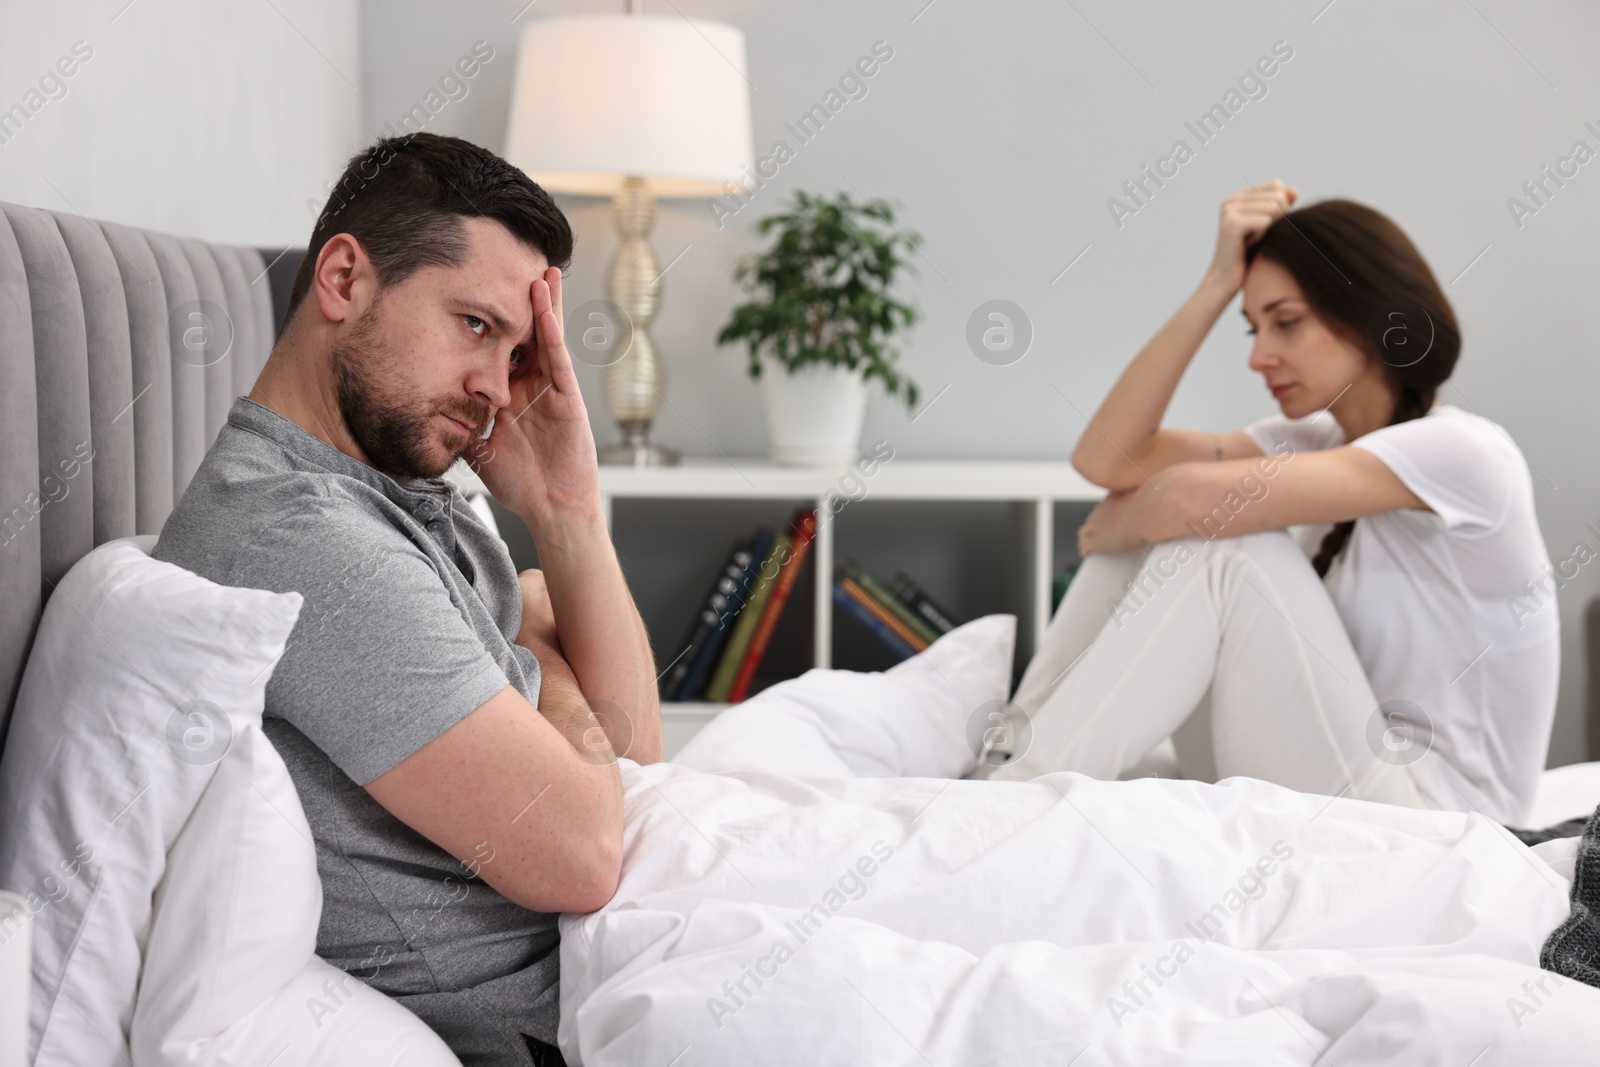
(344, 282)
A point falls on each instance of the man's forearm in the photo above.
(602, 637)
(561, 699)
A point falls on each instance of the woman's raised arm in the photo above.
(1124, 443)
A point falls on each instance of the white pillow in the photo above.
(137, 668)
(917, 720)
(230, 974)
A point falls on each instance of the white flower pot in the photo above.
(815, 414)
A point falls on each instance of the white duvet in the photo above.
(818, 911)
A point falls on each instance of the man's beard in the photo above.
(394, 427)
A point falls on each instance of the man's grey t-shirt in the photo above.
(411, 608)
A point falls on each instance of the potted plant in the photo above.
(820, 321)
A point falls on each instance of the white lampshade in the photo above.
(602, 97)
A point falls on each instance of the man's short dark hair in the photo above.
(404, 199)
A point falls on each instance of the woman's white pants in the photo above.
(1230, 646)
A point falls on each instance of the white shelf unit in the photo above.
(1037, 485)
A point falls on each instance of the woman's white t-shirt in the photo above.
(1451, 611)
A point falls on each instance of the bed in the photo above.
(810, 905)
(923, 917)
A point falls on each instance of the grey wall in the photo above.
(196, 118)
(1003, 128)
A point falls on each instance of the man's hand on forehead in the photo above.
(527, 342)
(543, 455)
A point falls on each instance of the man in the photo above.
(437, 711)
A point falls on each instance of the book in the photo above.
(905, 632)
(749, 617)
(922, 604)
(694, 686)
(897, 607)
(804, 529)
(872, 621)
(706, 621)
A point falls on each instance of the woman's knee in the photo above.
(1267, 540)
(1271, 546)
(1152, 566)
(1274, 551)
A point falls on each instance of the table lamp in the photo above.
(633, 107)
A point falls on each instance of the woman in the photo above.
(1413, 658)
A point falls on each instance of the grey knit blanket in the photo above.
(1573, 950)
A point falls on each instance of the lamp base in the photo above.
(640, 456)
(635, 449)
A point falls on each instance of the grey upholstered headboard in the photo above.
(111, 389)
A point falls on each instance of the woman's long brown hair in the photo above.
(1367, 282)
